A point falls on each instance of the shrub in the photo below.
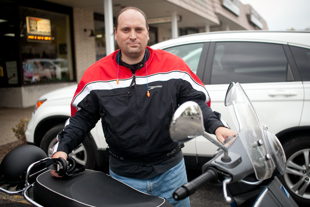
(20, 129)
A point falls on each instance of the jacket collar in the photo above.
(136, 66)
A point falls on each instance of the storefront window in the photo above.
(9, 74)
(45, 46)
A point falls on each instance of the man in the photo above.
(135, 91)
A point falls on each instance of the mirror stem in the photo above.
(225, 157)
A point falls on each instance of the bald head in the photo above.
(132, 8)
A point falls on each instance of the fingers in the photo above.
(58, 155)
(222, 133)
(54, 174)
(221, 139)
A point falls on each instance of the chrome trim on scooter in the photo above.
(11, 192)
(29, 199)
(225, 182)
(259, 200)
(31, 166)
(252, 183)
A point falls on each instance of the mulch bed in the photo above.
(6, 148)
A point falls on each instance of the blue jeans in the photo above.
(162, 185)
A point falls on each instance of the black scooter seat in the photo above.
(90, 188)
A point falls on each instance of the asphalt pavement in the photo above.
(208, 195)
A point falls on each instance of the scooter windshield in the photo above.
(250, 131)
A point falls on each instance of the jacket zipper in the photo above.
(133, 83)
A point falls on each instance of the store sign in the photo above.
(162, 20)
(256, 19)
(38, 37)
(232, 5)
(38, 29)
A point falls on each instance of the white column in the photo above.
(108, 21)
(207, 28)
(227, 27)
(174, 25)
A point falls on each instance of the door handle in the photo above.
(286, 93)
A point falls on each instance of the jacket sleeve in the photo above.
(189, 93)
(79, 125)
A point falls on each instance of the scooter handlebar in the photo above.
(190, 187)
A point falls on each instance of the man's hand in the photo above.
(222, 133)
(58, 155)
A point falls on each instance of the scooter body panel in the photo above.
(275, 195)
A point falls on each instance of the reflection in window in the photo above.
(248, 63)
(45, 59)
(189, 53)
(302, 57)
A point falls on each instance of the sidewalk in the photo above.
(9, 118)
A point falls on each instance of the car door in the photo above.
(194, 55)
(266, 75)
(302, 59)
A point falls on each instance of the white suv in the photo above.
(274, 70)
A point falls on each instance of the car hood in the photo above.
(62, 93)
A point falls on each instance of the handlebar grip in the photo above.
(61, 166)
(190, 187)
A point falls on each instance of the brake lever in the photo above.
(225, 182)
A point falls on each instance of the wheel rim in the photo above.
(79, 153)
(297, 175)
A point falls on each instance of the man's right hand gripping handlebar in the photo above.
(59, 154)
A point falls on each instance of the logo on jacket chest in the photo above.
(153, 87)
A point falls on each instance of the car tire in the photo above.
(84, 154)
(296, 178)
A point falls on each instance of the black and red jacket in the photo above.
(135, 126)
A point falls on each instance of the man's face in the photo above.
(131, 35)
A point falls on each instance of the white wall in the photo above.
(85, 51)
(26, 96)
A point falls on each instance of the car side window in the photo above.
(302, 59)
(48, 65)
(190, 53)
(248, 62)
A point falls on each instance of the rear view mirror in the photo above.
(187, 122)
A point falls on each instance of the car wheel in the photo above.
(297, 175)
(83, 154)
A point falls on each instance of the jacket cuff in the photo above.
(215, 125)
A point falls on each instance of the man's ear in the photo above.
(148, 34)
(115, 33)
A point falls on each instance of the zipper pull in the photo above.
(117, 81)
(148, 94)
(133, 82)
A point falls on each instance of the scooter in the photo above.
(246, 164)
(252, 158)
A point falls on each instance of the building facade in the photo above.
(49, 44)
